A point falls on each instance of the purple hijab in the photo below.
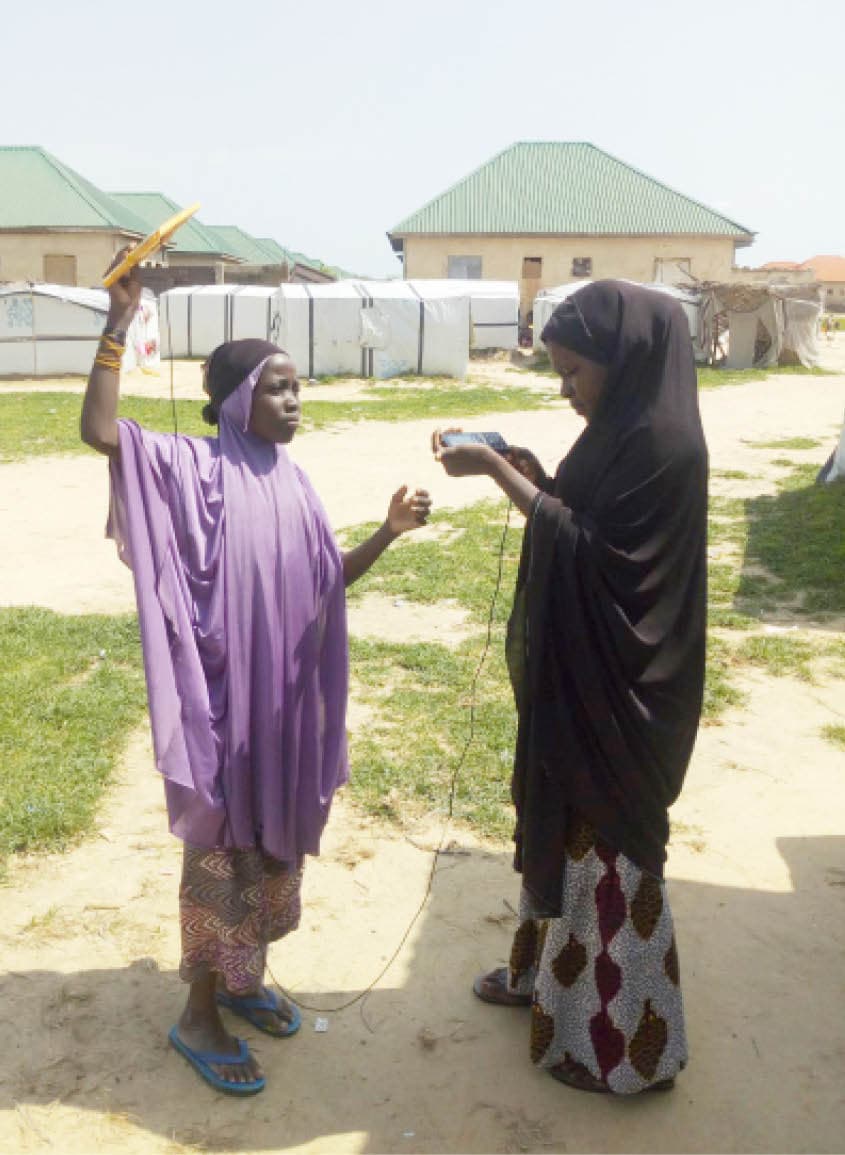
(242, 612)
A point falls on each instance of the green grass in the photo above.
(708, 377)
(464, 569)
(779, 656)
(732, 474)
(35, 424)
(71, 688)
(835, 734)
(786, 443)
(798, 537)
(406, 756)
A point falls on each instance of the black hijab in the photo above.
(608, 632)
(230, 364)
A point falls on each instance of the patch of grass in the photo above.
(720, 693)
(71, 688)
(406, 756)
(710, 378)
(786, 443)
(779, 656)
(35, 424)
(798, 537)
(834, 734)
(732, 474)
(464, 569)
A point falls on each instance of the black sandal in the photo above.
(493, 988)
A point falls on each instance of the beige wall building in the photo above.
(61, 257)
(540, 262)
(545, 214)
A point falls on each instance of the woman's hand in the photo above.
(124, 295)
(527, 464)
(408, 510)
(461, 460)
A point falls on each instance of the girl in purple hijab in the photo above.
(241, 604)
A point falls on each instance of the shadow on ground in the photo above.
(425, 1067)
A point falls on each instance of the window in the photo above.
(532, 267)
(582, 266)
(59, 270)
(465, 268)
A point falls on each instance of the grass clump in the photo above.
(786, 443)
(779, 656)
(71, 688)
(835, 734)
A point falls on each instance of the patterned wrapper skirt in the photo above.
(607, 1008)
(232, 903)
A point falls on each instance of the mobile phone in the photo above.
(494, 440)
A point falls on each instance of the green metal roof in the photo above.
(154, 209)
(274, 250)
(564, 188)
(38, 191)
(233, 240)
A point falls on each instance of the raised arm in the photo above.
(98, 424)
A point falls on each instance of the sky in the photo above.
(325, 122)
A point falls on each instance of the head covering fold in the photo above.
(609, 617)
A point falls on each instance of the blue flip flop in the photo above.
(201, 1062)
(246, 1005)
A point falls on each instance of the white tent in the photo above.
(547, 301)
(493, 308)
(47, 330)
(768, 324)
(367, 328)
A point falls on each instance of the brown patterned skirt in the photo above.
(232, 903)
(607, 1007)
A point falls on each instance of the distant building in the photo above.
(55, 225)
(192, 246)
(830, 273)
(546, 213)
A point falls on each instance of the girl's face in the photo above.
(582, 380)
(276, 409)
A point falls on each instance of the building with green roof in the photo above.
(193, 244)
(546, 213)
(54, 224)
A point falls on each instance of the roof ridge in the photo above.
(456, 185)
(670, 188)
(77, 181)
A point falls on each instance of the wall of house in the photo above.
(834, 296)
(710, 258)
(22, 254)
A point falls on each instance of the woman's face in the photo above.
(582, 380)
(275, 401)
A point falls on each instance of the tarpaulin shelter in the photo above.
(48, 330)
(493, 308)
(363, 328)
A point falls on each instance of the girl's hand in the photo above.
(527, 464)
(408, 510)
(462, 460)
(124, 295)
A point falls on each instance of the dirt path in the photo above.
(89, 939)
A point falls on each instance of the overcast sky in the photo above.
(323, 123)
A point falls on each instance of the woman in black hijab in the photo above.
(606, 652)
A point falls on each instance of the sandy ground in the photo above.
(89, 939)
